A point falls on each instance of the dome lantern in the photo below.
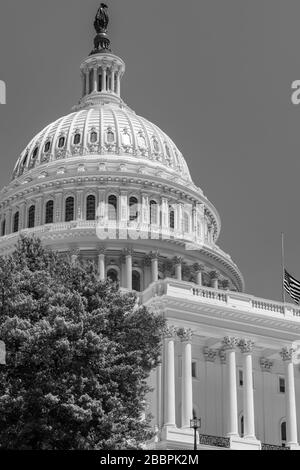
(102, 71)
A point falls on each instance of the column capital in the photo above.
(169, 332)
(128, 252)
(198, 268)
(177, 260)
(222, 355)
(154, 254)
(147, 260)
(184, 334)
(246, 346)
(266, 364)
(214, 275)
(229, 343)
(101, 250)
(210, 354)
(287, 354)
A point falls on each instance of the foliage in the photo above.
(79, 353)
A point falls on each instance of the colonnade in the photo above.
(230, 345)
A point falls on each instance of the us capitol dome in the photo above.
(109, 186)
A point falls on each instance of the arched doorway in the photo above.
(136, 281)
(112, 275)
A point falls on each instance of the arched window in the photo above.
(153, 212)
(91, 208)
(61, 142)
(69, 209)
(169, 158)
(112, 208)
(110, 136)
(16, 222)
(155, 144)
(133, 208)
(126, 140)
(35, 152)
(77, 139)
(49, 217)
(94, 137)
(141, 140)
(171, 218)
(186, 223)
(31, 216)
(25, 160)
(3, 228)
(136, 281)
(283, 433)
(47, 146)
(112, 275)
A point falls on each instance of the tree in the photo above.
(79, 353)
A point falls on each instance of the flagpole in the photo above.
(283, 267)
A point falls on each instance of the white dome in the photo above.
(107, 129)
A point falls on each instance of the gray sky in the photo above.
(213, 74)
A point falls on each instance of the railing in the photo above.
(214, 441)
(210, 294)
(271, 307)
(273, 447)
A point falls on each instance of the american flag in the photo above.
(292, 286)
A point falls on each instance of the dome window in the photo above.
(25, 160)
(126, 140)
(61, 142)
(77, 138)
(49, 218)
(69, 209)
(16, 222)
(47, 146)
(94, 137)
(133, 209)
(153, 212)
(169, 158)
(31, 217)
(172, 219)
(136, 281)
(3, 228)
(110, 136)
(141, 140)
(91, 208)
(155, 144)
(112, 208)
(35, 152)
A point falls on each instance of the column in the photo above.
(113, 80)
(229, 345)
(154, 266)
(87, 81)
(198, 268)
(169, 397)
(103, 79)
(38, 217)
(22, 216)
(291, 412)
(246, 347)
(58, 207)
(101, 264)
(128, 260)
(214, 275)
(185, 336)
(80, 205)
(178, 267)
(118, 83)
(95, 79)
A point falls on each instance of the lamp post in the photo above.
(195, 424)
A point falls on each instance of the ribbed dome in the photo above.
(102, 130)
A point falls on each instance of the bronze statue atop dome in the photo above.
(101, 41)
(101, 19)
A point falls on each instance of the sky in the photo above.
(215, 75)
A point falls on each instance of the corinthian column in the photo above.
(229, 345)
(185, 336)
(128, 259)
(178, 267)
(291, 412)
(154, 266)
(169, 364)
(101, 264)
(246, 347)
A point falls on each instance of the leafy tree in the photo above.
(79, 353)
